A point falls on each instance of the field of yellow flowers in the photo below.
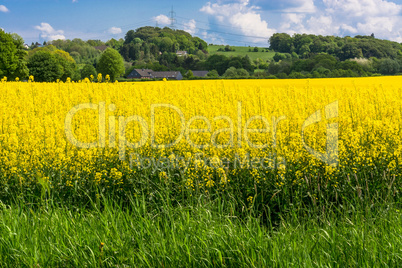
(258, 141)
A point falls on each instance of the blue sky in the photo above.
(235, 22)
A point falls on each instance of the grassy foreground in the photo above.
(200, 235)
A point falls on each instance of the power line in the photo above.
(211, 23)
(105, 34)
(242, 42)
(240, 35)
(172, 15)
(232, 27)
(130, 25)
(173, 23)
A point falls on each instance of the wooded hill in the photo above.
(306, 45)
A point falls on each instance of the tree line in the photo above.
(297, 56)
(303, 55)
(343, 48)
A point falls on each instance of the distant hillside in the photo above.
(242, 51)
(306, 45)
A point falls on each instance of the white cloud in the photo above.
(366, 16)
(48, 33)
(75, 1)
(302, 6)
(226, 10)
(4, 9)
(346, 17)
(242, 16)
(348, 28)
(162, 19)
(213, 38)
(300, 23)
(251, 24)
(190, 27)
(379, 25)
(115, 30)
(293, 23)
(322, 25)
(358, 8)
(55, 37)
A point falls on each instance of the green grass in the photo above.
(145, 222)
(349, 220)
(241, 51)
(205, 234)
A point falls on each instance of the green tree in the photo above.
(190, 74)
(213, 74)
(279, 56)
(67, 64)
(44, 67)
(217, 62)
(230, 72)
(166, 44)
(235, 62)
(247, 64)
(350, 51)
(76, 56)
(324, 60)
(199, 43)
(350, 66)
(87, 71)
(116, 44)
(87, 53)
(111, 63)
(94, 43)
(389, 66)
(229, 48)
(242, 73)
(135, 52)
(130, 35)
(12, 54)
(281, 42)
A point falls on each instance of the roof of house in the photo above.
(139, 73)
(144, 72)
(200, 73)
(181, 52)
(101, 48)
(172, 74)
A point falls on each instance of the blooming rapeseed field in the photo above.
(244, 138)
